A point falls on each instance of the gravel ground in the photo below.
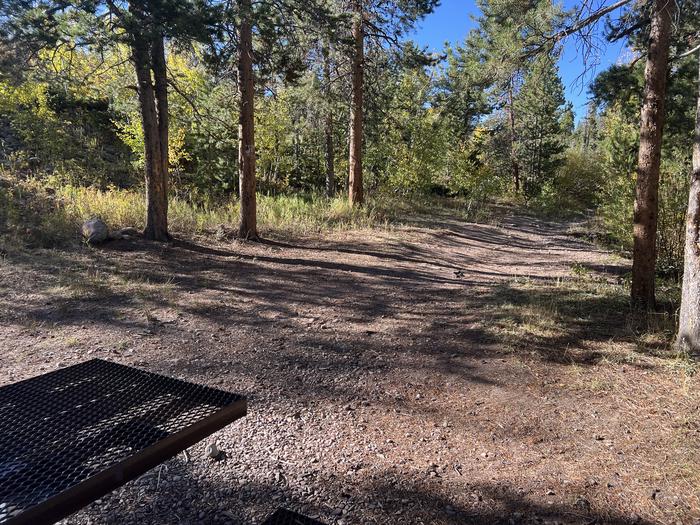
(377, 392)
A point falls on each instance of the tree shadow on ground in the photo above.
(202, 492)
(475, 314)
(345, 342)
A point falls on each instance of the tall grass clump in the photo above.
(40, 214)
(30, 214)
(49, 214)
(294, 214)
(284, 213)
(312, 213)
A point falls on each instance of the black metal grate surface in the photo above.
(70, 436)
(287, 517)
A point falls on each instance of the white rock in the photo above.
(95, 231)
(213, 451)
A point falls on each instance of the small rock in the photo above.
(124, 233)
(213, 451)
(583, 504)
(129, 232)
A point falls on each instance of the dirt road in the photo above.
(440, 372)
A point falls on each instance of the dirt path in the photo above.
(445, 374)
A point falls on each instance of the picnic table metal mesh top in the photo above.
(84, 425)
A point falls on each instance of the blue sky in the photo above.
(451, 22)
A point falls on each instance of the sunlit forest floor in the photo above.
(439, 372)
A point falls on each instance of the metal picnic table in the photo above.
(71, 436)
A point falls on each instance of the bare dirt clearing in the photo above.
(449, 374)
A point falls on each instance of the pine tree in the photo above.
(646, 206)
(688, 338)
(247, 228)
(329, 149)
(540, 106)
(144, 26)
(586, 133)
(461, 91)
(262, 38)
(383, 22)
(506, 28)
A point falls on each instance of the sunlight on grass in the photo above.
(528, 321)
(684, 363)
(585, 312)
(298, 214)
(41, 215)
(89, 284)
(526, 309)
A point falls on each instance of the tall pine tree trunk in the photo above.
(156, 178)
(515, 168)
(646, 204)
(355, 189)
(160, 77)
(246, 130)
(689, 324)
(328, 125)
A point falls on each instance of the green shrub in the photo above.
(674, 184)
(31, 214)
(576, 185)
(618, 150)
(616, 198)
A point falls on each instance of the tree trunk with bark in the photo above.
(160, 77)
(355, 189)
(515, 168)
(689, 322)
(154, 122)
(646, 203)
(247, 228)
(328, 125)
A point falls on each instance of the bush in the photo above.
(618, 150)
(37, 214)
(576, 185)
(469, 177)
(32, 215)
(616, 198)
(71, 138)
(674, 184)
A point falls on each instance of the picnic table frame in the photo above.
(159, 435)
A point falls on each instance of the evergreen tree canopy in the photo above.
(541, 110)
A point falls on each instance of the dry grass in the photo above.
(580, 364)
(35, 214)
(564, 318)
